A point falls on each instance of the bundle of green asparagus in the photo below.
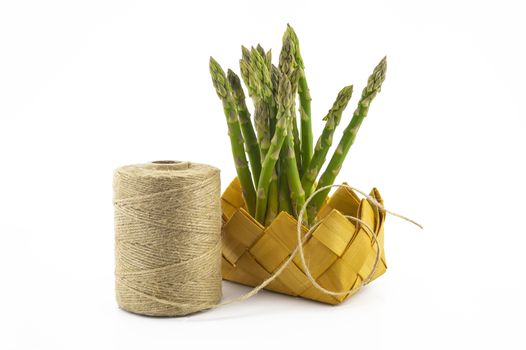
(283, 168)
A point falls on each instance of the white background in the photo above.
(88, 86)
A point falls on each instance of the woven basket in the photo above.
(340, 254)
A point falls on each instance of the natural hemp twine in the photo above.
(167, 237)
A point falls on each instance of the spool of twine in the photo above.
(167, 237)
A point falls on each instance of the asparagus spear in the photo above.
(267, 55)
(295, 133)
(271, 84)
(277, 196)
(305, 101)
(274, 78)
(256, 75)
(287, 65)
(284, 193)
(236, 139)
(261, 74)
(297, 194)
(273, 199)
(254, 92)
(261, 71)
(251, 143)
(324, 143)
(284, 103)
(374, 85)
(244, 65)
(283, 187)
(261, 120)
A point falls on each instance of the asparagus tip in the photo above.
(245, 53)
(374, 83)
(235, 84)
(218, 78)
(295, 43)
(285, 97)
(342, 99)
(232, 78)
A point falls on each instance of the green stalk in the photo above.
(244, 66)
(264, 60)
(261, 120)
(374, 85)
(283, 187)
(254, 91)
(284, 193)
(324, 143)
(261, 73)
(289, 67)
(305, 102)
(236, 139)
(251, 142)
(273, 199)
(306, 124)
(256, 73)
(296, 138)
(297, 194)
(275, 76)
(269, 163)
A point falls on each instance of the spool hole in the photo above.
(170, 165)
(166, 162)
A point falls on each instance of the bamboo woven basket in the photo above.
(340, 254)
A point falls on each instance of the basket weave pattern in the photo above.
(339, 253)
